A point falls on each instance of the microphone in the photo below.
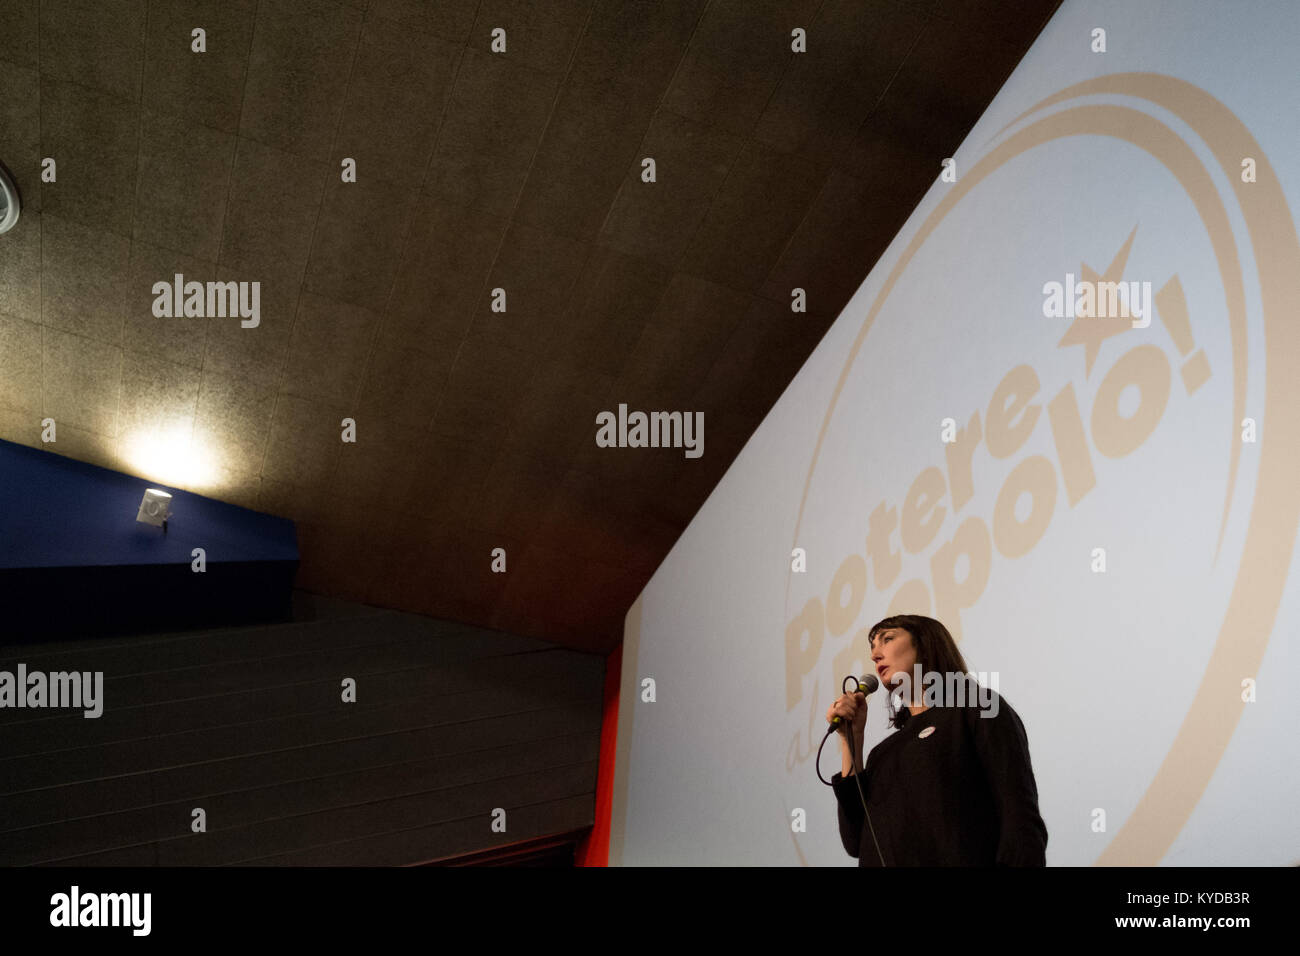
(867, 685)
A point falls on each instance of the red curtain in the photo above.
(593, 849)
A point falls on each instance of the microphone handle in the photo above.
(837, 719)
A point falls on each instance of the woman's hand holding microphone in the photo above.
(852, 711)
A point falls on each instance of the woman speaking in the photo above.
(953, 785)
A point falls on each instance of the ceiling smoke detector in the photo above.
(9, 201)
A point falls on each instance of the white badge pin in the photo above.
(927, 732)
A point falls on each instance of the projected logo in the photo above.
(1079, 405)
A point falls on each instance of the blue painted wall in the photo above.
(56, 512)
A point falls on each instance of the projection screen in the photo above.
(1102, 508)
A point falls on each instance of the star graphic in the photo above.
(1090, 332)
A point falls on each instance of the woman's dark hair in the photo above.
(935, 651)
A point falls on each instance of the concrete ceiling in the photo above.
(475, 170)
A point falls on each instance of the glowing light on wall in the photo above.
(171, 456)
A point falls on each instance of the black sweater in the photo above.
(963, 795)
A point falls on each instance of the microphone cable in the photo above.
(857, 777)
